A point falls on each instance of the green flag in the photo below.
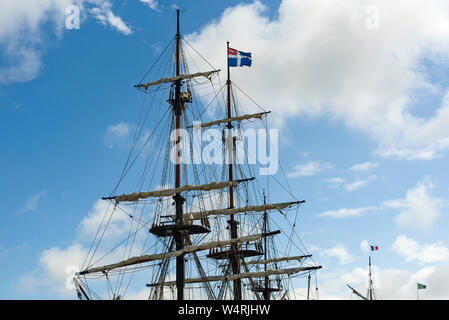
(421, 286)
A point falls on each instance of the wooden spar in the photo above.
(177, 78)
(299, 258)
(177, 253)
(231, 211)
(170, 192)
(356, 292)
(233, 277)
(238, 118)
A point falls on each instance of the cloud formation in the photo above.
(364, 166)
(22, 35)
(309, 169)
(418, 210)
(340, 252)
(343, 69)
(32, 202)
(423, 254)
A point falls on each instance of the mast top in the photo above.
(177, 22)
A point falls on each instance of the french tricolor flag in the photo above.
(238, 58)
(374, 248)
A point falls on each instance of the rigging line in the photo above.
(183, 39)
(125, 170)
(291, 240)
(148, 139)
(119, 244)
(146, 239)
(87, 286)
(151, 104)
(90, 292)
(297, 235)
(119, 283)
(134, 139)
(233, 83)
(288, 191)
(121, 275)
(150, 157)
(149, 70)
(101, 237)
(95, 237)
(207, 106)
(133, 144)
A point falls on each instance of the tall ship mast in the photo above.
(371, 290)
(209, 222)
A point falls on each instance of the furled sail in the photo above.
(299, 258)
(172, 254)
(232, 277)
(230, 211)
(170, 192)
(174, 79)
(239, 118)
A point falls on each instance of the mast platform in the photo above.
(230, 252)
(168, 230)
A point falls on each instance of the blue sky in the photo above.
(342, 96)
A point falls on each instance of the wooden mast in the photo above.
(179, 200)
(266, 292)
(370, 286)
(235, 258)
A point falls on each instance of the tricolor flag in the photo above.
(374, 248)
(239, 58)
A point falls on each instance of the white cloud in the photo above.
(423, 254)
(340, 252)
(420, 209)
(116, 222)
(356, 185)
(54, 270)
(309, 169)
(58, 264)
(103, 13)
(364, 246)
(345, 213)
(364, 166)
(118, 133)
(390, 284)
(32, 202)
(22, 36)
(337, 69)
(153, 4)
(120, 130)
(335, 180)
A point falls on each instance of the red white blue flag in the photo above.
(239, 58)
(374, 248)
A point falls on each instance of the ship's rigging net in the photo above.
(124, 256)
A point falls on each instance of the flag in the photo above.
(374, 248)
(421, 286)
(239, 58)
